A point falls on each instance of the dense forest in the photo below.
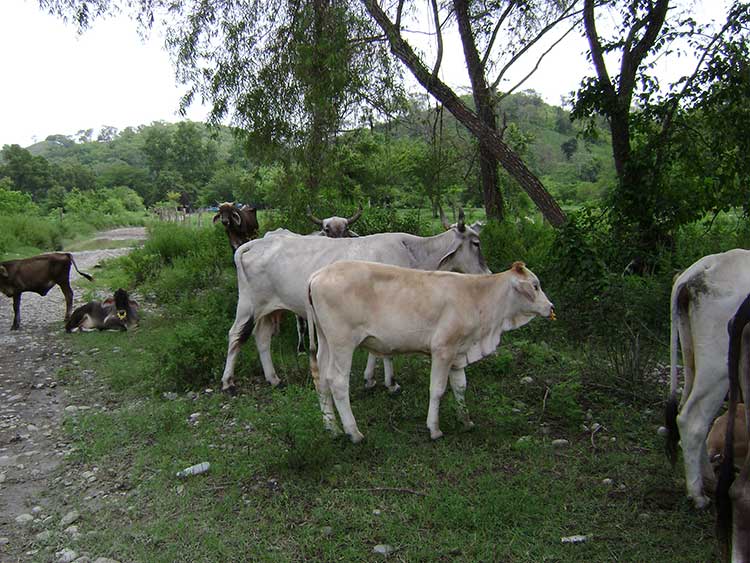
(423, 159)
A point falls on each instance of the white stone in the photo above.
(66, 556)
(69, 518)
(560, 443)
(608, 482)
(24, 519)
(43, 536)
(527, 380)
(383, 549)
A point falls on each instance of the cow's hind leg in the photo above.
(370, 371)
(238, 335)
(16, 312)
(325, 398)
(264, 330)
(340, 363)
(458, 384)
(693, 421)
(68, 293)
(438, 382)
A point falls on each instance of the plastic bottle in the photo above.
(194, 469)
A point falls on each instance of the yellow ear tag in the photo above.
(121, 315)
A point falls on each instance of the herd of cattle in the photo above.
(395, 293)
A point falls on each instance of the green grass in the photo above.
(278, 480)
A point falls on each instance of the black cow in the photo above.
(114, 313)
(240, 223)
(38, 274)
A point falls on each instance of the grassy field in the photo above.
(281, 489)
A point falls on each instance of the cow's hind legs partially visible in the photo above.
(340, 363)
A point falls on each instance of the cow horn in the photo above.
(313, 218)
(353, 219)
(461, 225)
(443, 220)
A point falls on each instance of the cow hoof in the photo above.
(370, 385)
(435, 434)
(356, 437)
(701, 502)
(230, 390)
(14, 327)
(394, 389)
(280, 385)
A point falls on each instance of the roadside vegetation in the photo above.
(281, 488)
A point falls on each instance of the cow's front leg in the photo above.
(16, 312)
(458, 384)
(438, 383)
(390, 382)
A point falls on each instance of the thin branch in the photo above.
(495, 31)
(439, 33)
(385, 490)
(533, 42)
(536, 66)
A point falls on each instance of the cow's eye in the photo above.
(536, 286)
(475, 243)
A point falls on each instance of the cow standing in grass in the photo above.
(456, 319)
(272, 275)
(240, 223)
(38, 274)
(704, 298)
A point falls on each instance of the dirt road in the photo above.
(33, 401)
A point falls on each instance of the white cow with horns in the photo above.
(457, 319)
(704, 298)
(272, 275)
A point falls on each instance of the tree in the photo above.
(487, 136)
(30, 174)
(646, 204)
(244, 58)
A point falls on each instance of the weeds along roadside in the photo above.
(280, 488)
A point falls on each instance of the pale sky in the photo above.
(58, 82)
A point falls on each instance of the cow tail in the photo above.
(737, 326)
(313, 349)
(671, 408)
(84, 274)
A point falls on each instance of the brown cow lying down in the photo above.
(38, 274)
(715, 440)
(115, 313)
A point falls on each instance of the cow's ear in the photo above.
(453, 249)
(109, 301)
(236, 219)
(134, 304)
(216, 217)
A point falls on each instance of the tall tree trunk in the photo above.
(493, 198)
(485, 135)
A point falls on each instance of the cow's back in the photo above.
(276, 269)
